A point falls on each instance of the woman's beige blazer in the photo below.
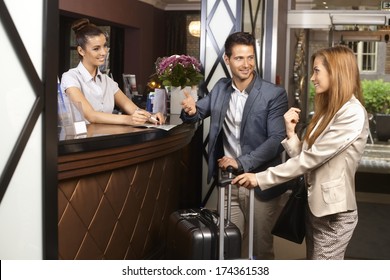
(329, 165)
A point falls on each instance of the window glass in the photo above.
(366, 54)
(336, 5)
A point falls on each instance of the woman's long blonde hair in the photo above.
(344, 81)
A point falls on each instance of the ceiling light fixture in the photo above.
(343, 19)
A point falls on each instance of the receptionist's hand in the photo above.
(157, 118)
(140, 117)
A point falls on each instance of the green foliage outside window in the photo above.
(376, 95)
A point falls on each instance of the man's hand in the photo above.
(224, 162)
(188, 104)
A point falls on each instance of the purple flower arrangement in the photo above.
(178, 70)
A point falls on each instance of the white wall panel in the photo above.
(222, 17)
(27, 16)
(21, 206)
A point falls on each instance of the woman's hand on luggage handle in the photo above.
(246, 180)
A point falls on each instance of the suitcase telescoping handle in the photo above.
(223, 183)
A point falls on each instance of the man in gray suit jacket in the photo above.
(246, 129)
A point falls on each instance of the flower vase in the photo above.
(176, 96)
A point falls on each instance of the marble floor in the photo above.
(371, 239)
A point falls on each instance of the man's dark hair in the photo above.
(239, 38)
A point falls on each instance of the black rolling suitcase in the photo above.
(201, 234)
(193, 234)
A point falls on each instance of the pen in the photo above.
(153, 119)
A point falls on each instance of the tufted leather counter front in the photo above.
(118, 185)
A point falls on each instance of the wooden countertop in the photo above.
(104, 136)
(107, 147)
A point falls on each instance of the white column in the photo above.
(219, 19)
(21, 206)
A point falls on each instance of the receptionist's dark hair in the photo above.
(84, 29)
(238, 38)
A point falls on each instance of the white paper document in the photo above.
(161, 126)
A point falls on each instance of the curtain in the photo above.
(176, 33)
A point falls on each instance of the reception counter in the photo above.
(118, 186)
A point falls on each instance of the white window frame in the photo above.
(359, 52)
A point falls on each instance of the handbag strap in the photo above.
(299, 188)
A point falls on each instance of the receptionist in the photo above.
(97, 92)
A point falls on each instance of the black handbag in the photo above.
(291, 222)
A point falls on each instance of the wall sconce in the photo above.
(194, 28)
